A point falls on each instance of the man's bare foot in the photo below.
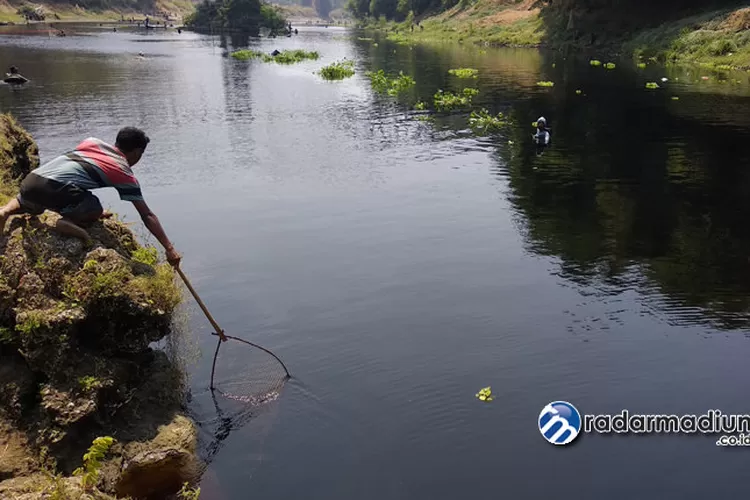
(68, 228)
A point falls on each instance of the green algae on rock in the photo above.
(19, 155)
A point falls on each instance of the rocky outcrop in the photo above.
(76, 323)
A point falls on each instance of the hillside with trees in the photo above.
(710, 32)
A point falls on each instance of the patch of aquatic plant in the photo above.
(401, 83)
(675, 98)
(464, 72)
(546, 84)
(446, 101)
(295, 56)
(245, 54)
(285, 57)
(392, 86)
(420, 106)
(595, 62)
(652, 85)
(642, 65)
(337, 70)
(484, 122)
(610, 65)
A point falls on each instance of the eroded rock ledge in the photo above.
(76, 323)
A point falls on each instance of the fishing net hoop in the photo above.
(229, 337)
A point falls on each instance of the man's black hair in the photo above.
(130, 138)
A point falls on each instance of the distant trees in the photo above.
(323, 8)
(236, 15)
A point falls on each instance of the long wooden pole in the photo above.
(211, 319)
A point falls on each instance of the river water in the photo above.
(398, 266)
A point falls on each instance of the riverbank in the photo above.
(55, 12)
(77, 374)
(717, 38)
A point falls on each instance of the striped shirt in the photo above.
(94, 164)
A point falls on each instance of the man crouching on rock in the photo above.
(63, 185)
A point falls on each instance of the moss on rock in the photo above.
(19, 155)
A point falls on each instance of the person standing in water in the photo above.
(63, 185)
(542, 135)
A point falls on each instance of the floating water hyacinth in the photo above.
(610, 66)
(595, 62)
(421, 106)
(546, 84)
(652, 85)
(642, 65)
(485, 394)
(338, 70)
(464, 72)
(675, 98)
(483, 122)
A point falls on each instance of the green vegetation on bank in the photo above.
(472, 28)
(669, 31)
(719, 39)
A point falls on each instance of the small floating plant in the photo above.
(595, 62)
(485, 394)
(610, 65)
(446, 101)
(337, 70)
(545, 84)
(392, 86)
(483, 122)
(652, 85)
(420, 106)
(464, 72)
(642, 65)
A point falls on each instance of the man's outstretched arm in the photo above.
(152, 223)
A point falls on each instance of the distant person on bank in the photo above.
(63, 185)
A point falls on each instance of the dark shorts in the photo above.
(38, 193)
